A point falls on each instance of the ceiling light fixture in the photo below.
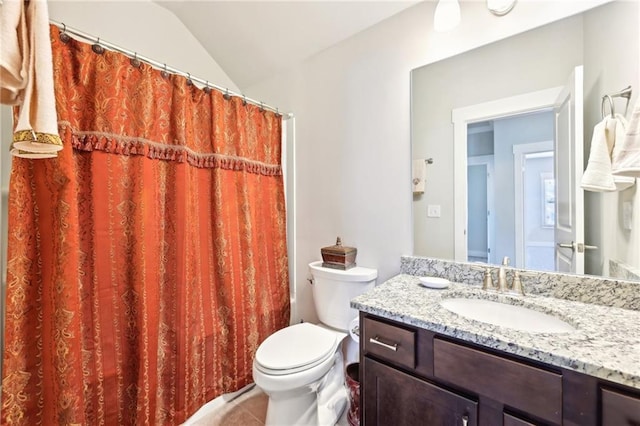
(447, 15)
(500, 7)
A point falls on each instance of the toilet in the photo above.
(301, 367)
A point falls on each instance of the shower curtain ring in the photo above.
(164, 73)
(134, 61)
(226, 95)
(261, 106)
(64, 37)
(244, 100)
(97, 48)
(207, 89)
(189, 82)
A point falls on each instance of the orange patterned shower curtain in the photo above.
(148, 261)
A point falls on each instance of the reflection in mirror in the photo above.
(493, 184)
(512, 157)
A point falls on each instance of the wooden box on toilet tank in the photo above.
(338, 256)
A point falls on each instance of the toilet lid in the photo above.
(296, 346)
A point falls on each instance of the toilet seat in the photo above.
(295, 348)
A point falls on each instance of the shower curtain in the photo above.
(148, 261)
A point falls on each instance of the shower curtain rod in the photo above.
(164, 67)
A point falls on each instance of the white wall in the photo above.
(608, 70)
(353, 128)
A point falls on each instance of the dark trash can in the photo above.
(352, 379)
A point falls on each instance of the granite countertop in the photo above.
(606, 344)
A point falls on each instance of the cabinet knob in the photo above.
(377, 341)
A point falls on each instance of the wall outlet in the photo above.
(433, 210)
(627, 215)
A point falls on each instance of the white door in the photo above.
(569, 227)
(480, 201)
(529, 209)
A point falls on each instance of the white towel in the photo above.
(36, 130)
(419, 175)
(620, 131)
(32, 155)
(626, 159)
(597, 177)
(14, 54)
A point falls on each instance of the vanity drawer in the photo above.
(533, 390)
(390, 342)
(509, 420)
(619, 408)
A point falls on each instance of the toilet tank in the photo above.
(333, 289)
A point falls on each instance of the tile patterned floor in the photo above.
(249, 409)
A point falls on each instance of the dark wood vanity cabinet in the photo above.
(399, 399)
(411, 376)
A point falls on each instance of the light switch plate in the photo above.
(433, 210)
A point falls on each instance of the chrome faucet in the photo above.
(502, 275)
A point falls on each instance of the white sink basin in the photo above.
(510, 316)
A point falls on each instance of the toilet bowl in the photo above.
(301, 367)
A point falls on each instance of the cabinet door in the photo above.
(510, 420)
(619, 409)
(391, 397)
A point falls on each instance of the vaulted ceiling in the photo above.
(253, 40)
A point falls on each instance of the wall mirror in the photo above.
(502, 196)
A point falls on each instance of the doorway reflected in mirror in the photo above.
(522, 178)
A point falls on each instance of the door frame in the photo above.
(461, 117)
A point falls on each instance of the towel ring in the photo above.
(611, 106)
(624, 93)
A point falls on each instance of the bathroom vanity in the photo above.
(424, 364)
